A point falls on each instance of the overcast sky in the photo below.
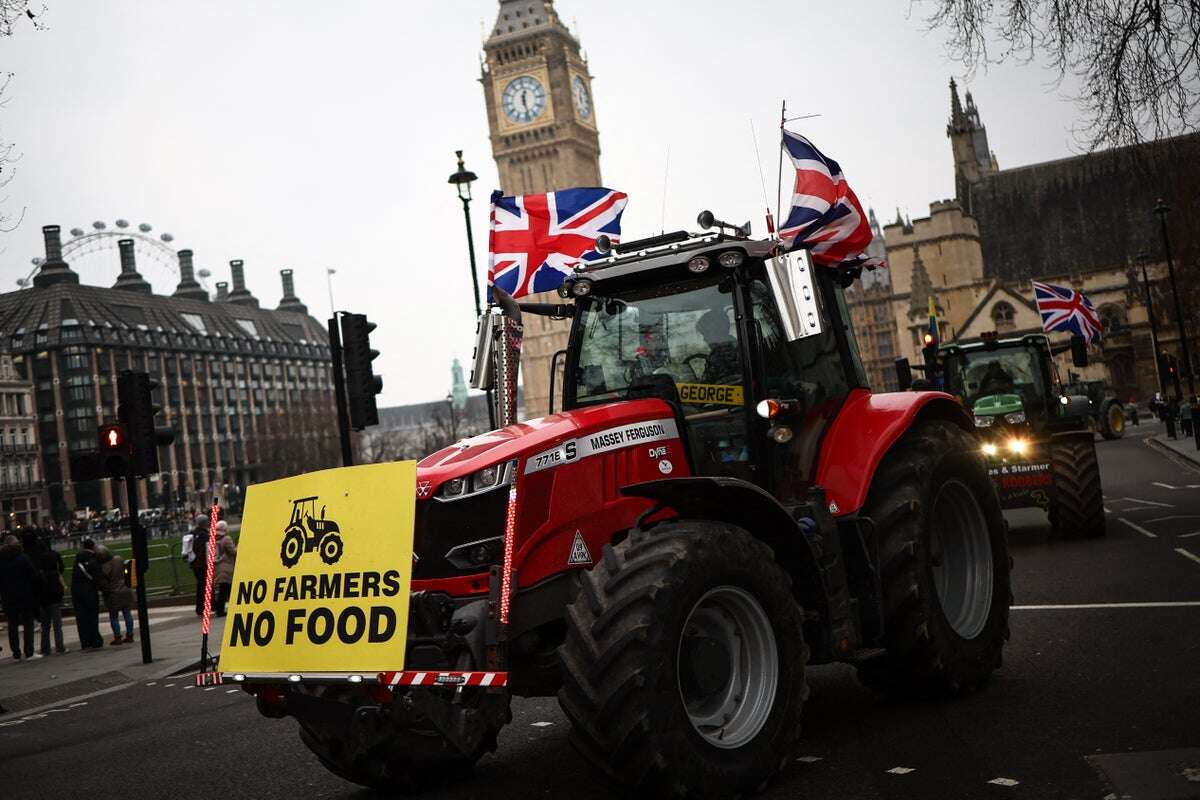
(312, 134)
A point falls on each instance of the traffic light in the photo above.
(114, 450)
(929, 351)
(362, 384)
(135, 395)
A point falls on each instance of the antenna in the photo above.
(666, 174)
(762, 180)
(779, 176)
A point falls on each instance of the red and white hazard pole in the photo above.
(208, 583)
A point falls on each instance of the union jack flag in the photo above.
(537, 239)
(824, 215)
(1065, 309)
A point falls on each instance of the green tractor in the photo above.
(1107, 413)
(1036, 436)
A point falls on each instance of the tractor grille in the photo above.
(442, 525)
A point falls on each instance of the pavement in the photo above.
(1180, 445)
(30, 686)
(1097, 697)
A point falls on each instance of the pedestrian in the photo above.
(50, 566)
(85, 597)
(19, 591)
(199, 561)
(225, 555)
(118, 598)
(1185, 419)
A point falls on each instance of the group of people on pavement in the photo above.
(31, 591)
(194, 549)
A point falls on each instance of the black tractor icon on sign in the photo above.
(305, 533)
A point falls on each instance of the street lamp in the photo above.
(453, 420)
(1161, 210)
(329, 273)
(1142, 258)
(462, 181)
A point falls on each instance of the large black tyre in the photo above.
(633, 653)
(1112, 419)
(944, 562)
(1077, 509)
(389, 761)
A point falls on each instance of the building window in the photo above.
(1112, 317)
(1002, 316)
(884, 345)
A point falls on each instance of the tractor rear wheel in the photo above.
(683, 665)
(944, 564)
(1112, 419)
(292, 547)
(1077, 509)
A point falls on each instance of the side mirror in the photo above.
(1079, 355)
(904, 374)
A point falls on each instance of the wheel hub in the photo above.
(728, 667)
(960, 558)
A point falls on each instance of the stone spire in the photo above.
(458, 387)
(54, 269)
(188, 288)
(973, 159)
(240, 294)
(922, 287)
(129, 279)
(290, 302)
(956, 112)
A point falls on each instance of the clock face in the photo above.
(583, 102)
(523, 99)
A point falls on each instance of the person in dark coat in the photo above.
(49, 565)
(200, 558)
(118, 597)
(85, 597)
(19, 591)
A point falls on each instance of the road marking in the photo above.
(77, 705)
(189, 686)
(541, 724)
(1150, 502)
(1004, 781)
(1163, 485)
(168, 686)
(1076, 606)
(1189, 535)
(1186, 554)
(57, 710)
(901, 770)
(211, 689)
(1138, 508)
(152, 683)
(1107, 510)
(808, 759)
(1139, 528)
(1173, 516)
(231, 691)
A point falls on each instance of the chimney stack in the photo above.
(290, 302)
(54, 269)
(222, 291)
(129, 279)
(240, 294)
(188, 287)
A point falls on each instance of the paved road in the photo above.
(1092, 701)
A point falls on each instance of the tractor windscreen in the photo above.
(981, 376)
(681, 334)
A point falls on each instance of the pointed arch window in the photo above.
(1003, 315)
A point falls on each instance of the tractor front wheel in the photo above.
(1077, 510)
(331, 548)
(683, 665)
(944, 561)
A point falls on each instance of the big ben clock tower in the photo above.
(543, 128)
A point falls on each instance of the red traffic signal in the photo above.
(928, 339)
(112, 438)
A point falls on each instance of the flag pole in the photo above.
(779, 174)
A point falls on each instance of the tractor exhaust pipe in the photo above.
(508, 335)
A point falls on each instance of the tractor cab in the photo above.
(749, 346)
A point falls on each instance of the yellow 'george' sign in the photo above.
(322, 575)
(710, 393)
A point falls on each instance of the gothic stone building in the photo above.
(247, 389)
(542, 119)
(1083, 222)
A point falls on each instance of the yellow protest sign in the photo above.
(710, 393)
(322, 576)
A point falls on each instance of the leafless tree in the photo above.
(13, 13)
(1138, 61)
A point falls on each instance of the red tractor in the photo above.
(721, 502)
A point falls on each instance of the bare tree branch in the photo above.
(1138, 61)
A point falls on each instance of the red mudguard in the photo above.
(865, 429)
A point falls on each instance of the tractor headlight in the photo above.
(1015, 418)
(482, 553)
(1016, 446)
(483, 480)
(984, 422)
(989, 449)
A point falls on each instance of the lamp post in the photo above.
(1161, 210)
(453, 419)
(462, 181)
(1142, 258)
(329, 273)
